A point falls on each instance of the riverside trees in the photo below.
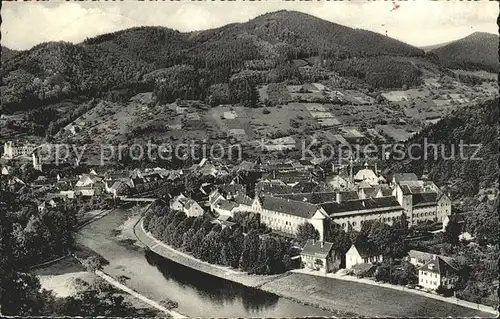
(253, 252)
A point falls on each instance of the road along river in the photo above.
(198, 294)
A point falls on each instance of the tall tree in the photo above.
(306, 231)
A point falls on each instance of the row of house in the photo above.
(418, 200)
(433, 270)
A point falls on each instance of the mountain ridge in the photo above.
(478, 50)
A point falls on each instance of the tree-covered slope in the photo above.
(477, 128)
(476, 51)
(50, 72)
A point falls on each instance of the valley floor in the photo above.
(323, 292)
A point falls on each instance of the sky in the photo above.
(419, 22)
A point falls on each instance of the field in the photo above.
(398, 133)
(364, 300)
(140, 120)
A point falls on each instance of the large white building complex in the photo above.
(370, 199)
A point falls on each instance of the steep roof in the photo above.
(314, 198)
(243, 200)
(289, 176)
(321, 197)
(365, 174)
(366, 250)
(423, 199)
(265, 187)
(232, 188)
(385, 191)
(400, 177)
(290, 207)
(439, 265)
(317, 248)
(304, 187)
(225, 204)
(213, 197)
(389, 203)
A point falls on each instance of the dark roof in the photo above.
(304, 187)
(422, 199)
(367, 250)
(386, 191)
(321, 197)
(317, 248)
(349, 195)
(362, 268)
(362, 204)
(232, 188)
(406, 190)
(313, 198)
(243, 200)
(225, 204)
(399, 177)
(265, 187)
(439, 265)
(289, 177)
(290, 207)
(369, 191)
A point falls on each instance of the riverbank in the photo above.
(160, 248)
(197, 293)
(368, 281)
(322, 292)
(67, 277)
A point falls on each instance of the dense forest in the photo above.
(109, 65)
(28, 237)
(476, 126)
(478, 51)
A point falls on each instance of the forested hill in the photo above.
(301, 35)
(50, 72)
(476, 124)
(476, 51)
(8, 53)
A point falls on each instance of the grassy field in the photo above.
(364, 300)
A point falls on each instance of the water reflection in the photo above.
(219, 292)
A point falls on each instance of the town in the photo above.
(344, 221)
(290, 160)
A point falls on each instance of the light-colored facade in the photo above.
(187, 205)
(11, 150)
(286, 215)
(318, 255)
(422, 201)
(437, 272)
(356, 256)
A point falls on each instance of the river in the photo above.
(198, 294)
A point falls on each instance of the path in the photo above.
(451, 300)
(153, 303)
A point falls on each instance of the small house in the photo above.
(186, 205)
(359, 254)
(437, 272)
(318, 255)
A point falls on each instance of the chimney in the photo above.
(322, 244)
(314, 241)
(338, 197)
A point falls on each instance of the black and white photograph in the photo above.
(249, 159)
